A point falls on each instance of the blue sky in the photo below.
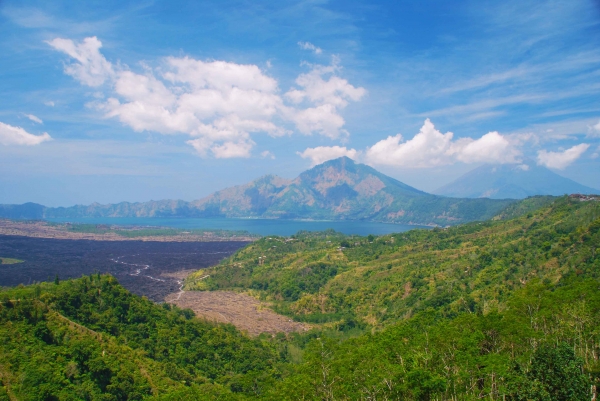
(131, 101)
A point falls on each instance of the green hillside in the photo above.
(90, 339)
(382, 280)
(503, 310)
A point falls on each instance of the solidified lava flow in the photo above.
(139, 266)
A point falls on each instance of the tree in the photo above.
(556, 374)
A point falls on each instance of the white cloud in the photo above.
(266, 154)
(596, 130)
(10, 135)
(310, 46)
(91, 69)
(317, 89)
(321, 154)
(328, 93)
(49, 103)
(490, 148)
(430, 148)
(33, 118)
(426, 149)
(233, 149)
(323, 119)
(560, 160)
(218, 103)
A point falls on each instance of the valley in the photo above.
(480, 310)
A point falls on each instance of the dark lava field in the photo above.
(144, 268)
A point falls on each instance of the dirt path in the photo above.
(243, 311)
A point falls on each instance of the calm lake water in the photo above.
(255, 226)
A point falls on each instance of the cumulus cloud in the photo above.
(232, 149)
(33, 118)
(310, 46)
(490, 148)
(431, 148)
(218, 103)
(327, 93)
(10, 135)
(266, 154)
(560, 160)
(321, 154)
(91, 68)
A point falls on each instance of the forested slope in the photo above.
(501, 310)
(91, 339)
(379, 281)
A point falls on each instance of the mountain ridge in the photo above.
(512, 181)
(338, 189)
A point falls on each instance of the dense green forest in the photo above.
(505, 309)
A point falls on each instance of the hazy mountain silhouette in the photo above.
(512, 181)
(338, 189)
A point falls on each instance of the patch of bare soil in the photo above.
(241, 310)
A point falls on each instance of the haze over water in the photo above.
(254, 226)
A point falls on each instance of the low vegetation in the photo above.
(10, 261)
(499, 310)
(141, 232)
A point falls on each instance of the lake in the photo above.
(254, 226)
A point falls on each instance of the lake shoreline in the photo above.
(42, 229)
(253, 226)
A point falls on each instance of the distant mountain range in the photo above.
(512, 181)
(339, 189)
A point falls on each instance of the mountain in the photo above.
(512, 181)
(25, 211)
(338, 189)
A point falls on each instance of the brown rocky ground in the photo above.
(241, 310)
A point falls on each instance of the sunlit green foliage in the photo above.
(500, 310)
(469, 268)
(91, 339)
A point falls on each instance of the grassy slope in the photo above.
(467, 268)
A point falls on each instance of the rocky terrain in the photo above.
(243, 311)
(149, 268)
